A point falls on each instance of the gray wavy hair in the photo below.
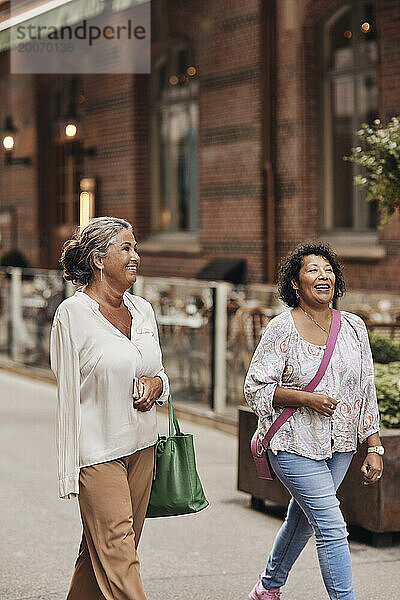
(95, 238)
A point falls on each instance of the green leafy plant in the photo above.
(384, 350)
(379, 156)
(387, 382)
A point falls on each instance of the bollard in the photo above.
(15, 310)
(220, 337)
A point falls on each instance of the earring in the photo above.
(101, 273)
(297, 293)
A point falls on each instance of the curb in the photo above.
(207, 417)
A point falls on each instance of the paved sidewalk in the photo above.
(215, 555)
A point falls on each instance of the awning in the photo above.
(57, 13)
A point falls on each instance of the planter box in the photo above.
(374, 510)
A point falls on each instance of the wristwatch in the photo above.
(378, 449)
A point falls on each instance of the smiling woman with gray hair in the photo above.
(102, 339)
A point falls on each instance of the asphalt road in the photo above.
(215, 555)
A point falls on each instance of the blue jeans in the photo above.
(313, 508)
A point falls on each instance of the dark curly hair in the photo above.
(292, 263)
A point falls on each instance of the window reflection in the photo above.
(174, 142)
(350, 98)
(367, 34)
(342, 117)
(340, 53)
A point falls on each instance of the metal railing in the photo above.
(208, 330)
(28, 301)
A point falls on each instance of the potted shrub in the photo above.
(374, 510)
(377, 508)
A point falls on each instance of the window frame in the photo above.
(188, 97)
(328, 75)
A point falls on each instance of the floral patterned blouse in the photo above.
(283, 358)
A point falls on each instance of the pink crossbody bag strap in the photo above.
(310, 387)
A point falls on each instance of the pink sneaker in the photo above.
(260, 593)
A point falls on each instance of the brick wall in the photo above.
(18, 183)
(226, 36)
(226, 40)
(299, 140)
(108, 125)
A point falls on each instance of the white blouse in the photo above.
(95, 364)
(283, 358)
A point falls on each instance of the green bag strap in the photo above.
(173, 426)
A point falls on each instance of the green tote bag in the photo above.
(176, 488)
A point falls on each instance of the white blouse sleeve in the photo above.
(64, 360)
(265, 371)
(161, 373)
(369, 413)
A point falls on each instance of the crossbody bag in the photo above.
(259, 447)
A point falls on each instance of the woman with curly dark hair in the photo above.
(312, 450)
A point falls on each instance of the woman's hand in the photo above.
(372, 468)
(152, 388)
(324, 405)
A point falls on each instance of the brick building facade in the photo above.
(231, 148)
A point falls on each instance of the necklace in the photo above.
(124, 325)
(313, 320)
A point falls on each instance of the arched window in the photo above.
(174, 140)
(350, 98)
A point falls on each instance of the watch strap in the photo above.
(378, 449)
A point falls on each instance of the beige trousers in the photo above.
(113, 499)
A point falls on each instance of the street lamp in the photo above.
(71, 130)
(8, 143)
(87, 200)
(70, 125)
